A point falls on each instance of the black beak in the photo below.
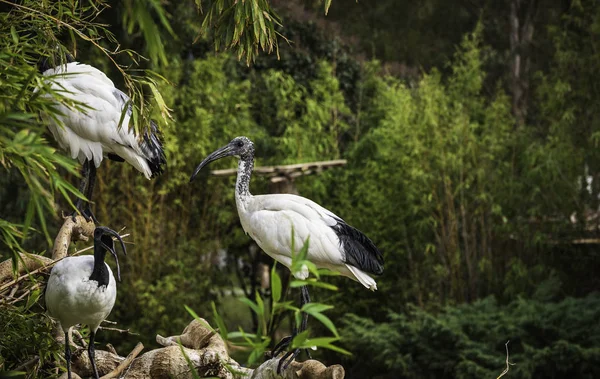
(110, 246)
(222, 152)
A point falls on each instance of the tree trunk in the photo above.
(522, 16)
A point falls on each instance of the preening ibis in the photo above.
(93, 132)
(82, 290)
(269, 220)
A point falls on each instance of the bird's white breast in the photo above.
(72, 298)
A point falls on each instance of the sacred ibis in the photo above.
(82, 290)
(100, 128)
(269, 220)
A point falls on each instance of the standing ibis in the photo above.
(82, 290)
(100, 128)
(269, 220)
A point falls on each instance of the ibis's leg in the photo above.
(68, 354)
(87, 213)
(82, 188)
(305, 300)
(285, 361)
(92, 355)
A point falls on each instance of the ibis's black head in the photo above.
(240, 147)
(103, 237)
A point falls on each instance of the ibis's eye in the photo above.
(240, 143)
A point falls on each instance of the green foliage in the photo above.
(24, 335)
(139, 14)
(547, 339)
(443, 154)
(308, 120)
(244, 26)
(258, 342)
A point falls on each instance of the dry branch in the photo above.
(207, 353)
(508, 363)
(123, 365)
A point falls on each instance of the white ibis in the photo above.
(100, 129)
(82, 290)
(269, 220)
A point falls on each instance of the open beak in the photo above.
(222, 152)
(106, 230)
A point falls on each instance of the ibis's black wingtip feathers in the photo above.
(153, 149)
(359, 250)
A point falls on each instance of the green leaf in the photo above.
(312, 282)
(251, 304)
(15, 36)
(33, 298)
(259, 303)
(325, 321)
(219, 321)
(327, 5)
(325, 342)
(316, 307)
(275, 285)
(195, 374)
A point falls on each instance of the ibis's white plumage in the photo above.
(93, 132)
(73, 298)
(269, 220)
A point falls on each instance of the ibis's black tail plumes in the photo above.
(360, 251)
(153, 150)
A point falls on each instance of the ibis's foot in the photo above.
(89, 216)
(86, 214)
(285, 361)
(281, 346)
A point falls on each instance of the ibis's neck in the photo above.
(242, 183)
(100, 271)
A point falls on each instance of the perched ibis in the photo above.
(269, 220)
(100, 128)
(82, 290)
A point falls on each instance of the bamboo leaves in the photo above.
(244, 26)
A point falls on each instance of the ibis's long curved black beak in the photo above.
(222, 152)
(109, 245)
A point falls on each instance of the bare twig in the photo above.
(80, 337)
(13, 291)
(24, 294)
(508, 364)
(26, 365)
(119, 330)
(123, 365)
